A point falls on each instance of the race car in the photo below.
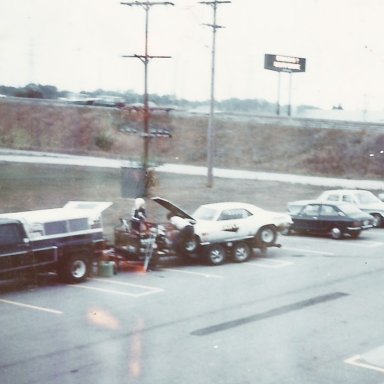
(229, 228)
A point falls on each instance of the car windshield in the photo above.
(367, 198)
(204, 213)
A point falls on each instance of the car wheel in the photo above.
(266, 236)
(336, 233)
(215, 254)
(377, 220)
(191, 245)
(241, 252)
(286, 231)
(75, 270)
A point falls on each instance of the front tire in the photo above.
(75, 270)
(191, 245)
(215, 254)
(377, 220)
(355, 235)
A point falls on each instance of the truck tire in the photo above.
(215, 254)
(241, 252)
(266, 236)
(75, 270)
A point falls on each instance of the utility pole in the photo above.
(146, 5)
(211, 128)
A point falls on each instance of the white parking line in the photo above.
(309, 251)
(147, 290)
(359, 362)
(207, 275)
(53, 311)
(269, 263)
(369, 244)
(119, 282)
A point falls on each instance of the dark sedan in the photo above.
(331, 218)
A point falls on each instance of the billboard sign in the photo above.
(282, 63)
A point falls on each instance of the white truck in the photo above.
(65, 240)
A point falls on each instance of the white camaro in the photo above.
(230, 227)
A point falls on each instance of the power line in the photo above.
(145, 60)
(211, 128)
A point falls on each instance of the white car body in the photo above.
(220, 229)
(364, 200)
(231, 221)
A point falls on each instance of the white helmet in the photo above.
(139, 203)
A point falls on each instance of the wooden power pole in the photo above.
(146, 5)
(211, 127)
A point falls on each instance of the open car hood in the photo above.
(172, 208)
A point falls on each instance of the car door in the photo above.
(230, 225)
(308, 218)
(15, 253)
(329, 218)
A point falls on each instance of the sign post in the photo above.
(288, 64)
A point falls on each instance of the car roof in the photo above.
(344, 191)
(319, 201)
(230, 205)
(8, 221)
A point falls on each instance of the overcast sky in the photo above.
(77, 45)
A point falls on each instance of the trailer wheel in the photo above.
(215, 254)
(75, 270)
(241, 252)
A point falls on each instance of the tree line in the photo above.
(232, 105)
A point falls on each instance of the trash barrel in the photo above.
(106, 268)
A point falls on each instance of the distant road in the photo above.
(33, 157)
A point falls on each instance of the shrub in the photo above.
(104, 141)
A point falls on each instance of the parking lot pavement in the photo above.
(369, 241)
(311, 289)
(133, 285)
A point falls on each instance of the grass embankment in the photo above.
(240, 143)
(31, 187)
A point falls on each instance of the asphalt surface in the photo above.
(309, 312)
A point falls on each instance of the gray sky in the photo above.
(78, 44)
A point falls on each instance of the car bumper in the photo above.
(284, 226)
(356, 229)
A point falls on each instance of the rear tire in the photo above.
(336, 233)
(215, 254)
(75, 270)
(266, 236)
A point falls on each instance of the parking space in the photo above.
(138, 285)
(114, 286)
(323, 246)
(372, 360)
